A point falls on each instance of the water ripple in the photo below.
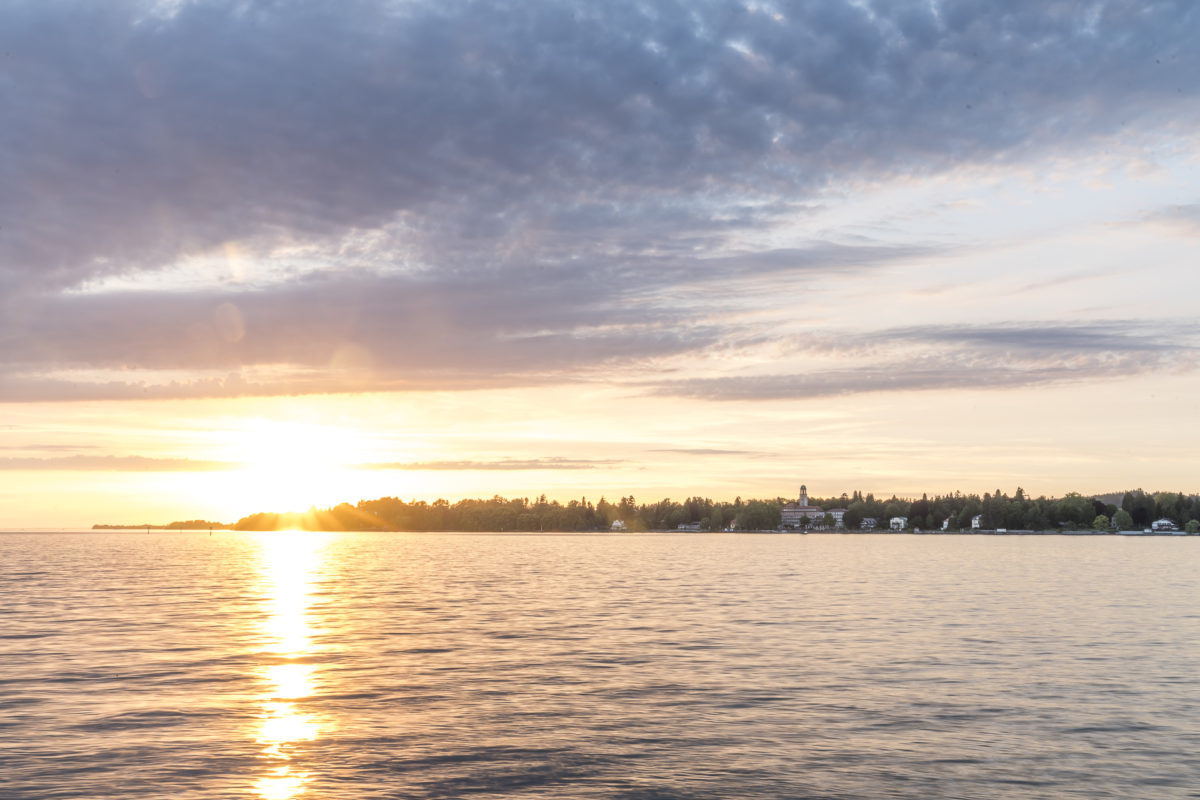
(642, 667)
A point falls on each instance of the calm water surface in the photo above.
(297, 665)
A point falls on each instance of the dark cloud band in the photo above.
(492, 194)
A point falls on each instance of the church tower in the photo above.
(803, 495)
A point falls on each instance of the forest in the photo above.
(1136, 511)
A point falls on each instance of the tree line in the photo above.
(1137, 510)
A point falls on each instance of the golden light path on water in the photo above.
(290, 562)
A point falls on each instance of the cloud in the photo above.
(985, 357)
(363, 331)
(140, 136)
(50, 448)
(1061, 280)
(1110, 336)
(91, 463)
(81, 463)
(111, 463)
(1183, 217)
(708, 451)
(461, 193)
(501, 465)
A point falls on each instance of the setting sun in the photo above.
(291, 466)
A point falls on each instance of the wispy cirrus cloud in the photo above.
(1186, 217)
(361, 331)
(708, 451)
(105, 463)
(1118, 337)
(505, 464)
(126, 463)
(73, 449)
(967, 357)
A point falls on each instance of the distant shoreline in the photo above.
(975, 533)
(193, 525)
(992, 514)
(184, 528)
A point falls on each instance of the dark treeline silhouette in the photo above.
(1137, 510)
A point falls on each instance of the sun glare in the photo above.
(290, 561)
(291, 466)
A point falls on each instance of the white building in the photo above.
(977, 522)
(1163, 525)
(618, 525)
(899, 523)
(796, 515)
(868, 523)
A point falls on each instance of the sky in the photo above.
(265, 255)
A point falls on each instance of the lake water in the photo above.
(307, 665)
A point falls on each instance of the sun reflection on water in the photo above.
(290, 562)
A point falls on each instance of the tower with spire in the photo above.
(801, 516)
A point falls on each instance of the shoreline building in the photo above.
(800, 514)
